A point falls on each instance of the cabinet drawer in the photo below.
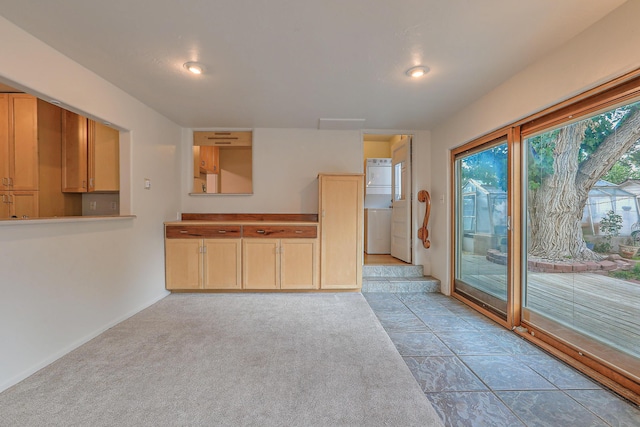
(202, 231)
(233, 139)
(285, 231)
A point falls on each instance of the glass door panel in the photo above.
(481, 225)
(582, 236)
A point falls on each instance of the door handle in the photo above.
(423, 233)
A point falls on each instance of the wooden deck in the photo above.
(605, 308)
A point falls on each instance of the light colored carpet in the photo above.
(232, 360)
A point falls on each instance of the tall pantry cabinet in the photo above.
(18, 155)
(341, 230)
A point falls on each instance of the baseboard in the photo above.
(49, 360)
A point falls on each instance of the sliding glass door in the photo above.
(582, 237)
(481, 250)
(546, 230)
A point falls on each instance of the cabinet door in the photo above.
(209, 159)
(341, 211)
(260, 264)
(103, 157)
(222, 267)
(183, 263)
(5, 205)
(24, 204)
(298, 264)
(74, 153)
(4, 142)
(23, 137)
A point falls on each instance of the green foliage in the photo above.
(610, 225)
(621, 171)
(489, 167)
(602, 247)
(541, 148)
(633, 274)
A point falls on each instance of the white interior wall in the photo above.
(422, 180)
(606, 50)
(63, 283)
(286, 163)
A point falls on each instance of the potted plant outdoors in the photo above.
(631, 248)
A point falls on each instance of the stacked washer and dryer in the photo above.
(377, 206)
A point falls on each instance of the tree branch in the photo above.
(609, 152)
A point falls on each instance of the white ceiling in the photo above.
(289, 63)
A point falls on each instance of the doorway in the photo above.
(388, 223)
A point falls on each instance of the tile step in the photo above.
(392, 271)
(400, 284)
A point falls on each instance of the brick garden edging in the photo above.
(539, 265)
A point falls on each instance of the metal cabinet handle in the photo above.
(184, 231)
(260, 231)
(222, 231)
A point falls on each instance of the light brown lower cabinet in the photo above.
(197, 260)
(18, 204)
(280, 263)
(203, 264)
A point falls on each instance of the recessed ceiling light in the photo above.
(194, 67)
(417, 71)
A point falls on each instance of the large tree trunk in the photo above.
(556, 207)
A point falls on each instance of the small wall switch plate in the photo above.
(442, 198)
(114, 206)
(92, 205)
(147, 184)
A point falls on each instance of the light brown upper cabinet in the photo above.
(222, 162)
(104, 155)
(90, 155)
(18, 142)
(74, 153)
(18, 156)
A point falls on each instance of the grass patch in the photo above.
(633, 274)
